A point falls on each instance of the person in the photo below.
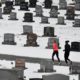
(55, 51)
(67, 52)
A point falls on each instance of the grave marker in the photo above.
(9, 39)
(75, 46)
(61, 20)
(44, 20)
(70, 14)
(48, 3)
(54, 12)
(49, 31)
(24, 6)
(27, 29)
(39, 11)
(31, 40)
(13, 16)
(28, 17)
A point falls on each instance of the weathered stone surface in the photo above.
(54, 12)
(17, 2)
(48, 3)
(1, 13)
(44, 19)
(70, 14)
(76, 23)
(46, 66)
(13, 16)
(32, 3)
(27, 29)
(61, 20)
(24, 6)
(62, 4)
(39, 11)
(9, 39)
(28, 17)
(75, 46)
(55, 77)
(31, 40)
(49, 31)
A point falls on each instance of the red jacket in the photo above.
(55, 47)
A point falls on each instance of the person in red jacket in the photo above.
(55, 51)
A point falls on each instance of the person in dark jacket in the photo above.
(55, 52)
(67, 52)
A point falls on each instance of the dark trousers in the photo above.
(66, 56)
(57, 55)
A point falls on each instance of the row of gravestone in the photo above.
(44, 67)
(28, 17)
(73, 69)
(48, 3)
(57, 76)
(9, 39)
(19, 68)
(70, 13)
(32, 41)
(15, 73)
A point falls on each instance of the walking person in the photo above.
(55, 52)
(67, 52)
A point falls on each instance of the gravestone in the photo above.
(1, 13)
(9, 4)
(39, 11)
(20, 63)
(75, 46)
(50, 42)
(28, 17)
(46, 66)
(9, 39)
(61, 20)
(6, 10)
(48, 3)
(3, 1)
(31, 40)
(70, 14)
(32, 3)
(24, 6)
(0, 4)
(76, 23)
(13, 16)
(77, 4)
(49, 31)
(62, 4)
(75, 69)
(9, 74)
(54, 12)
(55, 77)
(17, 2)
(35, 79)
(27, 29)
(77, 1)
(44, 20)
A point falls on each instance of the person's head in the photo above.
(67, 41)
(54, 41)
